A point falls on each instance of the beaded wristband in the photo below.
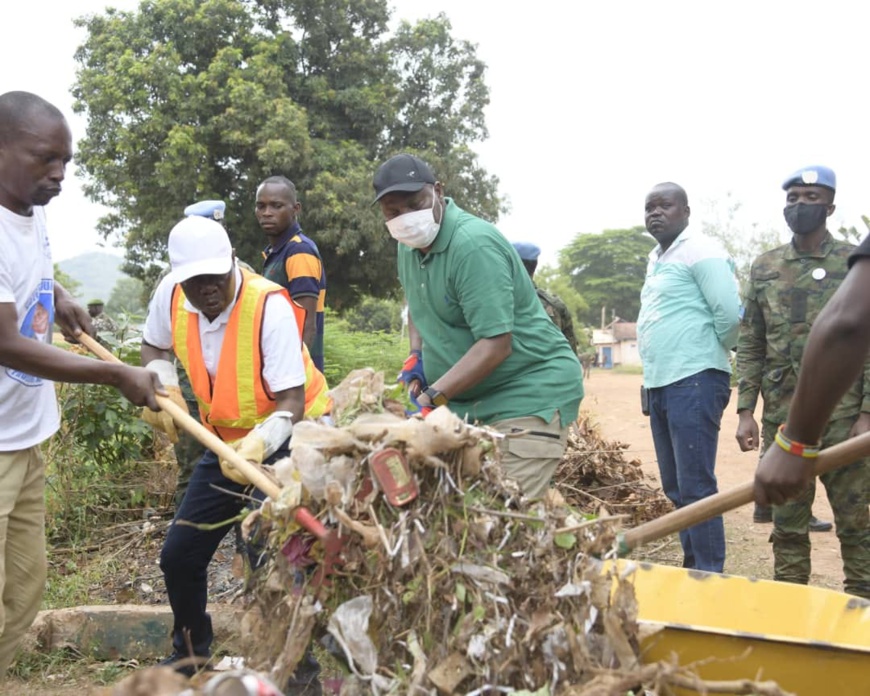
(805, 451)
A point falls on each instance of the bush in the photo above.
(346, 350)
(375, 314)
(100, 464)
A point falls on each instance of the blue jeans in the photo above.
(685, 418)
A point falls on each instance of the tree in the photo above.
(559, 284)
(192, 99)
(607, 270)
(127, 298)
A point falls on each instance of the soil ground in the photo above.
(614, 400)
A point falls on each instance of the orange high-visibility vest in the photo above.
(317, 401)
(239, 398)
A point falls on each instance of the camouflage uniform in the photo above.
(558, 312)
(782, 300)
(104, 323)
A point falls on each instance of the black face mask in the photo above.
(804, 218)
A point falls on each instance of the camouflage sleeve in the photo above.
(751, 345)
(568, 327)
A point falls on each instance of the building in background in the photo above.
(616, 344)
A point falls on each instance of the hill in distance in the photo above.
(96, 271)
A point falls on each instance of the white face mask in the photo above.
(416, 229)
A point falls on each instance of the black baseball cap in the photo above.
(405, 173)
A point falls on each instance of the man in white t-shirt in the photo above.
(35, 147)
(236, 335)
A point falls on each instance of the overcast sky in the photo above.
(592, 103)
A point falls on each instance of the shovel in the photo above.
(828, 460)
(329, 538)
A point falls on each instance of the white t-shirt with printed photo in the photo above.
(28, 405)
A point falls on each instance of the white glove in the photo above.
(161, 420)
(274, 431)
(165, 370)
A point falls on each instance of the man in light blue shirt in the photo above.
(688, 324)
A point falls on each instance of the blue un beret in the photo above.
(527, 251)
(207, 209)
(812, 176)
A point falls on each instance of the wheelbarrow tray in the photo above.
(808, 639)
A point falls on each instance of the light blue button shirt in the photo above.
(689, 310)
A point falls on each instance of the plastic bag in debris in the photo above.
(310, 467)
(349, 625)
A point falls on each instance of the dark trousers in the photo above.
(685, 418)
(188, 551)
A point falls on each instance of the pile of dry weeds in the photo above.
(465, 589)
(594, 476)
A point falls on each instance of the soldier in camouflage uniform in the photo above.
(787, 289)
(553, 306)
(102, 321)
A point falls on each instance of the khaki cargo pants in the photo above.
(22, 546)
(531, 459)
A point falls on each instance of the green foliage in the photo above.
(33, 665)
(67, 281)
(96, 464)
(607, 270)
(128, 297)
(852, 234)
(375, 314)
(347, 350)
(557, 283)
(192, 99)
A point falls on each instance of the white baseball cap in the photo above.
(199, 246)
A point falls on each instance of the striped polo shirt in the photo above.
(295, 264)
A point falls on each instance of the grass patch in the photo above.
(58, 666)
(628, 370)
(72, 579)
(346, 350)
(37, 672)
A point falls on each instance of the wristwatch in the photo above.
(436, 397)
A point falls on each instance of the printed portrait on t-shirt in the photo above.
(37, 323)
(39, 317)
(40, 322)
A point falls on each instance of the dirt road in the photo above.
(615, 401)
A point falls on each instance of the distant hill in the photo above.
(96, 271)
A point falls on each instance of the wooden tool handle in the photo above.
(829, 459)
(187, 422)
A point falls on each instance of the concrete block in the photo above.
(127, 631)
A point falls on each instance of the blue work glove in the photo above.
(412, 370)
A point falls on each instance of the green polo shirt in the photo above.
(472, 285)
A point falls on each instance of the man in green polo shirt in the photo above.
(491, 352)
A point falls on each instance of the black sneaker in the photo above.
(762, 515)
(817, 525)
(184, 664)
